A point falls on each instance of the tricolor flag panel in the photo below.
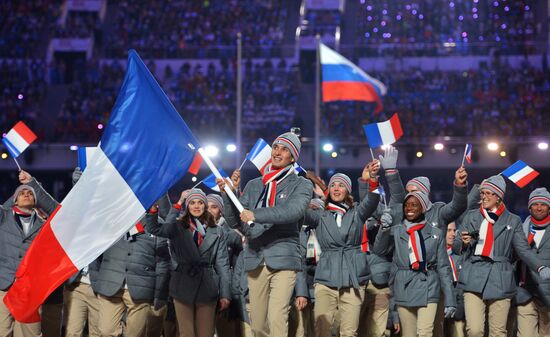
(344, 81)
(84, 155)
(468, 153)
(384, 133)
(18, 139)
(298, 169)
(210, 181)
(260, 155)
(145, 149)
(520, 173)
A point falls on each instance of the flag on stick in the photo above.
(520, 173)
(383, 133)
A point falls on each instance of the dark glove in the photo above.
(159, 304)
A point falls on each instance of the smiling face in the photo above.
(25, 199)
(337, 191)
(196, 207)
(214, 210)
(451, 233)
(489, 200)
(539, 210)
(412, 208)
(280, 156)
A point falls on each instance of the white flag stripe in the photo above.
(386, 132)
(262, 158)
(17, 141)
(520, 174)
(88, 223)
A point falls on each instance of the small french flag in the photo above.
(298, 168)
(18, 139)
(260, 155)
(85, 153)
(384, 133)
(468, 153)
(520, 173)
(380, 190)
(210, 181)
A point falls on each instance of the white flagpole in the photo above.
(17, 163)
(464, 156)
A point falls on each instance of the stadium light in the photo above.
(419, 154)
(438, 146)
(328, 147)
(231, 147)
(194, 179)
(543, 146)
(502, 153)
(334, 154)
(4, 155)
(211, 150)
(73, 147)
(100, 126)
(492, 146)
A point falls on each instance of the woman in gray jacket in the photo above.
(201, 279)
(420, 269)
(342, 272)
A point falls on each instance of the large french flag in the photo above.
(384, 133)
(520, 173)
(18, 139)
(344, 81)
(145, 149)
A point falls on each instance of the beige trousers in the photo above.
(155, 321)
(81, 307)
(270, 292)
(329, 301)
(456, 328)
(533, 319)
(374, 312)
(417, 321)
(246, 331)
(476, 308)
(111, 310)
(300, 322)
(11, 328)
(195, 320)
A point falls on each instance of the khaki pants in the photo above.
(195, 320)
(497, 312)
(300, 321)
(9, 327)
(270, 292)
(81, 307)
(111, 310)
(374, 312)
(533, 319)
(439, 322)
(329, 301)
(456, 328)
(155, 322)
(417, 321)
(246, 331)
(51, 319)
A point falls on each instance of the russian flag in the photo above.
(141, 155)
(85, 153)
(520, 173)
(18, 139)
(344, 81)
(260, 155)
(210, 181)
(383, 133)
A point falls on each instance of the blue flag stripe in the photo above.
(373, 135)
(345, 73)
(82, 160)
(11, 149)
(514, 168)
(257, 148)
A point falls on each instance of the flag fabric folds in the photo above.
(18, 139)
(344, 81)
(84, 155)
(145, 149)
(384, 133)
(520, 173)
(210, 181)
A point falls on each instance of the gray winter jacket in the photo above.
(342, 263)
(493, 279)
(201, 274)
(141, 262)
(412, 288)
(274, 237)
(13, 241)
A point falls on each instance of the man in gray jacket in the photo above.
(275, 205)
(19, 225)
(533, 296)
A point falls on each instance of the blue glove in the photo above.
(544, 273)
(450, 312)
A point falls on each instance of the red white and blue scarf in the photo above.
(198, 231)
(338, 210)
(537, 230)
(486, 242)
(417, 250)
(271, 179)
(452, 263)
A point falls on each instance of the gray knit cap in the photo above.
(422, 198)
(341, 178)
(216, 200)
(193, 194)
(20, 189)
(291, 142)
(421, 183)
(495, 184)
(539, 195)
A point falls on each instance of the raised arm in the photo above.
(453, 210)
(152, 225)
(43, 199)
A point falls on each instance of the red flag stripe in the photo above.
(24, 131)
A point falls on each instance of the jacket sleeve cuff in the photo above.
(177, 206)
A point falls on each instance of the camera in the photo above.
(295, 130)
